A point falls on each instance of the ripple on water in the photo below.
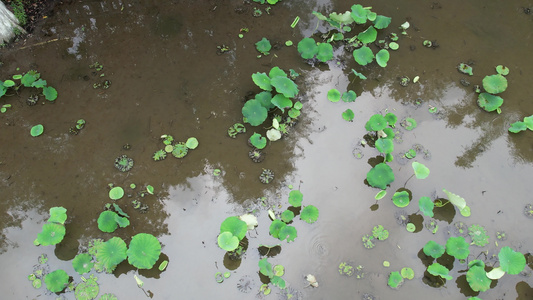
(318, 246)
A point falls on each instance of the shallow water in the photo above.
(167, 78)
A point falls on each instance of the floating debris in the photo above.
(123, 163)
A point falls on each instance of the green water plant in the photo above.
(232, 231)
(109, 254)
(457, 247)
(478, 234)
(56, 281)
(274, 273)
(258, 141)
(465, 69)
(143, 251)
(30, 79)
(380, 176)
(401, 198)
(437, 269)
(380, 233)
(237, 128)
(87, 289)
(511, 261)
(53, 231)
(309, 214)
(477, 277)
(434, 249)
(263, 46)
(37, 130)
(123, 163)
(426, 205)
(395, 279)
(421, 171)
(526, 123)
(109, 221)
(82, 263)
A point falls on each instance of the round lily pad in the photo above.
(227, 241)
(37, 130)
(421, 171)
(437, 269)
(495, 84)
(109, 254)
(235, 226)
(180, 150)
(348, 115)
(254, 112)
(307, 48)
(325, 52)
(82, 263)
(309, 214)
(191, 143)
(380, 176)
(376, 122)
(287, 216)
(116, 193)
(56, 281)
(363, 55)
(87, 290)
(457, 247)
(489, 102)
(477, 279)
(295, 198)
(401, 199)
(434, 249)
(51, 234)
(382, 57)
(407, 273)
(349, 96)
(107, 221)
(258, 141)
(143, 251)
(511, 261)
(334, 95)
(395, 280)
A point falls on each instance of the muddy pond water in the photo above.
(169, 73)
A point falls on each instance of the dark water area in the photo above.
(168, 76)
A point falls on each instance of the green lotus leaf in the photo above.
(40, 83)
(298, 105)
(462, 67)
(285, 86)
(359, 14)
(394, 45)
(407, 273)
(279, 270)
(380, 233)
(163, 265)
(276, 72)
(455, 199)
(434, 249)
(344, 18)
(29, 78)
(380, 176)
(384, 145)
(87, 290)
(265, 98)
(281, 102)
(116, 193)
(109, 254)
(349, 96)
(275, 228)
(309, 214)
(234, 225)
(258, 141)
(380, 194)
(426, 205)
(489, 102)
(477, 279)
(360, 75)
(363, 55)
(262, 80)
(51, 234)
(37, 130)
(121, 221)
(457, 247)
(478, 234)
(307, 48)
(334, 95)
(265, 268)
(294, 113)
(263, 46)
(391, 119)
(410, 124)
(37, 283)
(529, 122)
(511, 261)
(107, 221)
(57, 215)
(401, 199)
(295, 198)
(389, 133)
(82, 263)
(368, 36)
(476, 262)
(494, 84)
(287, 216)
(325, 52)
(254, 112)
(421, 171)
(288, 232)
(437, 269)
(348, 115)
(56, 281)
(502, 70)
(144, 251)
(517, 127)
(382, 22)
(227, 241)
(191, 143)
(395, 279)
(496, 273)
(50, 93)
(278, 281)
(382, 57)
(376, 123)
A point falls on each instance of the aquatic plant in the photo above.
(421, 171)
(236, 129)
(30, 79)
(108, 221)
(82, 263)
(380, 233)
(437, 269)
(479, 235)
(494, 84)
(191, 143)
(287, 216)
(232, 231)
(407, 273)
(37, 130)
(334, 95)
(116, 193)
(489, 102)
(434, 249)
(143, 251)
(258, 141)
(159, 155)
(395, 279)
(457, 247)
(527, 123)
(295, 198)
(363, 55)
(426, 205)
(309, 214)
(254, 113)
(477, 277)
(180, 150)
(87, 289)
(511, 261)
(53, 231)
(384, 145)
(271, 272)
(346, 269)
(56, 281)
(380, 176)
(368, 241)
(348, 115)
(349, 96)
(263, 46)
(109, 254)
(123, 163)
(401, 199)
(465, 69)
(266, 176)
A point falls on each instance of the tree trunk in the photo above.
(8, 24)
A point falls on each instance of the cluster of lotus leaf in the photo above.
(233, 229)
(396, 278)
(493, 84)
(274, 273)
(381, 174)
(53, 230)
(31, 79)
(178, 150)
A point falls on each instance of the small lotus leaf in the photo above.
(348, 115)
(144, 251)
(50, 93)
(295, 198)
(382, 22)
(380, 176)
(29, 78)
(489, 102)
(51, 234)
(529, 122)
(279, 270)
(434, 249)
(395, 279)
(496, 273)
(254, 112)
(343, 18)
(410, 123)
(368, 36)
(37, 130)
(334, 95)
(278, 281)
(511, 261)
(380, 233)
(478, 234)
(109, 254)
(407, 273)
(227, 241)
(391, 119)
(384, 145)
(287, 216)
(376, 123)
(288, 232)
(265, 268)
(502, 70)
(421, 171)
(363, 55)
(258, 141)
(457, 247)
(281, 102)
(455, 199)
(307, 48)
(273, 134)
(275, 227)
(426, 205)
(37, 283)
(82, 263)
(107, 221)
(262, 80)
(285, 86)
(325, 52)
(87, 290)
(437, 269)
(191, 143)
(56, 281)
(359, 14)
(276, 72)
(394, 45)
(263, 46)
(382, 57)
(477, 279)
(265, 98)
(494, 84)
(57, 215)
(309, 214)
(401, 199)
(517, 127)
(234, 225)
(349, 96)
(116, 193)
(40, 83)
